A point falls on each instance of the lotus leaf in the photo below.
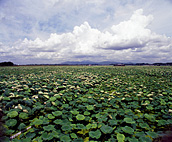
(30, 135)
(80, 117)
(49, 128)
(11, 122)
(58, 121)
(129, 120)
(144, 139)
(38, 122)
(120, 137)
(23, 115)
(80, 126)
(57, 113)
(12, 114)
(128, 129)
(144, 125)
(74, 112)
(66, 128)
(87, 113)
(50, 116)
(152, 134)
(47, 136)
(21, 126)
(73, 135)
(95, 134)
(65, 138)
(90, 107)
(52, 99)
(106, 129)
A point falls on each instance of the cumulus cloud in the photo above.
(130, 40)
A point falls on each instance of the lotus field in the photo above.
(85, 103)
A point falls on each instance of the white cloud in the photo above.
(130, 40)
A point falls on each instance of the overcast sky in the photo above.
(55, 31)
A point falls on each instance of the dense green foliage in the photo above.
(119, 104)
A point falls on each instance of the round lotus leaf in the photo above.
(90, 107)
(47, 136)
(80, 117)
(58, 121)
(66, 128)
(128, 129)
(80, 126)
(38, 122)
(26, 140)
(12, 114)
(57, 113)
(50, 116)
(73, 136)
(65, 138)
(21, 126)
(129, 120)
(11, 122)
(49, 128)
(152, 134)
(95, 134)
(74, 112)
(106, 129)
(52, 99)
(87, 113)
(23, 115)
(144, 139)
(144, 125)
(120, 137)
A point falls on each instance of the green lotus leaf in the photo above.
(113, 122)
(65, 138)
(120, 137)
(149, 117)
(162, 122)
(73, 135)
(106, 129)
(21, 126)
(144, 125)
(37, 139)
(50, 116)
(11, 122)
(57, 113)
(90, 107)
(12, 114)
(30, 135)
(58, 121)
(133, 139)
(26, 140)
(129, 120)
(139, 134)
(47, 136)
(55, 134)
(74, 112)
(95, 134)
(128, 129)
(144, 139)
(66, 128)
(38, 122)
(80, 117)
(23, 115)
(52, 99)
(49, 128)
(80, 126)
(152, 134)
(87, 113)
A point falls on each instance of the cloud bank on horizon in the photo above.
(59, 30)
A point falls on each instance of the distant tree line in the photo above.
(6, 64)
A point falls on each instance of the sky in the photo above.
(56, 31)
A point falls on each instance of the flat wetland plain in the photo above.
(85, 103)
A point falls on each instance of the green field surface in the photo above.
(85, 103)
